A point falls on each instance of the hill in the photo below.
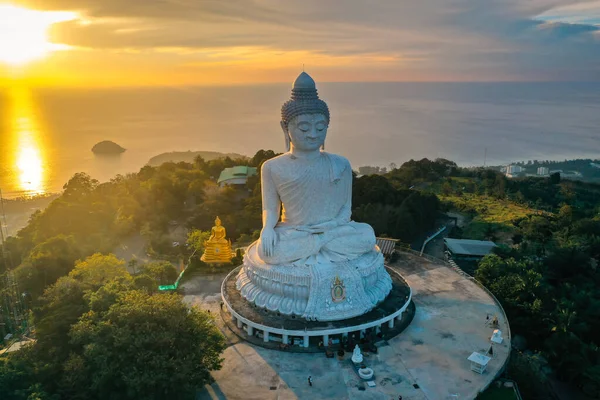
(189, 156)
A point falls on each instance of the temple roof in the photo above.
(478, 248)
(237, 172)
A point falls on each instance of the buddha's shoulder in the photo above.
(285, 160)
(341, 161)
(276, 162)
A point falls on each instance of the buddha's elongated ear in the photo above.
(323, 147)
(286, 136)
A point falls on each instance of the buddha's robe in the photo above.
(314, 193)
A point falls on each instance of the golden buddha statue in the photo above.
(217, 249)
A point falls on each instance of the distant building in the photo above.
(463, 249)
(236, 176)
(543, 171)
(514, 170)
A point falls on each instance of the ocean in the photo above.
(46, 135)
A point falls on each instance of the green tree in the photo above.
(163, 272)
(150, 347)
(17, 377)
(261, 156)
(537, 230)
(98, 269)
(145, 282)
(61, 306)
(46, 263)
(81, 184)
(446, 188)
(196, 239)
(64, 302)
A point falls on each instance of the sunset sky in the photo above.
(185, 42)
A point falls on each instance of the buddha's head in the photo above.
(218, 221)
(305, 117)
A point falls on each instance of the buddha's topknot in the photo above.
(305, 100)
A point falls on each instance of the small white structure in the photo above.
(365, 373)
(497, 336)
(357, 356)
(543, 171)
(479, 362)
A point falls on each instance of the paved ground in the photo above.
(204, 291)
(449, 324)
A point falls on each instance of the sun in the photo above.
(24, 33)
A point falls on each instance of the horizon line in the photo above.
(5, 86)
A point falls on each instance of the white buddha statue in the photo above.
(357, 356)
(311, 258)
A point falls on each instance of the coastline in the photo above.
(18, 210)
(15, 213)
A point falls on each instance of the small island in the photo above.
(107, 147)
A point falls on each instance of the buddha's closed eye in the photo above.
(304, 127)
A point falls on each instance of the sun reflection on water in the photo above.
(28, 149)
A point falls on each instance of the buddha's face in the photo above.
(307, 132)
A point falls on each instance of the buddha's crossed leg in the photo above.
(344, 242)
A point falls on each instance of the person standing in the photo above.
(310, 381)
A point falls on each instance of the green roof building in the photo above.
(236, 176)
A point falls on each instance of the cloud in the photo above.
(461, 39)
(583, 13)
(561, 30)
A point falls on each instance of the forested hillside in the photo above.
(545, 272)
(84, 306)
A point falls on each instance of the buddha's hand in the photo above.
(319, 228)
(268, 240)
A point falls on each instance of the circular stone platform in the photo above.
(428, 361)
(259, 325)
